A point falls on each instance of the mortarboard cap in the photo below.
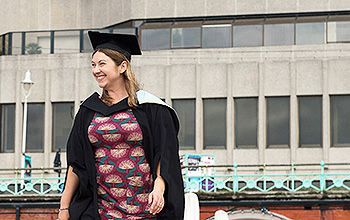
(127, 44)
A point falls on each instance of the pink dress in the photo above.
(123, 175)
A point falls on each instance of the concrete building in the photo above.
(254, 81)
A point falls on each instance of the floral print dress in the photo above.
(123, 175)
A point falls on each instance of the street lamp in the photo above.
(27, 85)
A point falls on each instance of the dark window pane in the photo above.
(340, 120)
(278, 116)
(310, 33)
(216, 36)
(154, 39)
(279, 34)
(186, 109)
(186, 37)
(7, 127)
(62, 119)
(214, 123)
(35, 129)
(247, 35)
(310, 121)
(246, 122)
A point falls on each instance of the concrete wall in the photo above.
(201, 73)
(25, 15)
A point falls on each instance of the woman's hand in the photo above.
(156, 197)
(63, 215)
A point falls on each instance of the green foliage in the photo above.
(33, 48)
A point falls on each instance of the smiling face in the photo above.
(106, 72)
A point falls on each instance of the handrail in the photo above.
(215, 180)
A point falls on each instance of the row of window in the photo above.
(190, 34)
(246, 122)
(62, 118)
(214, 123)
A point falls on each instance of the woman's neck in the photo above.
(117, 94)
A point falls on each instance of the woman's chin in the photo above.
(102, 85)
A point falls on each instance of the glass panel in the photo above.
(16, 43)
(216, 36)
(37, 42)
(155, 39)
(35, 129)
(279, 34)
(278, 117)
(6, 44)
(214, 123)
(338, 31)
(340, 120)
(124, 31)
(186, 111)
(186, 37)
(62, 119)
(310, 33)
(310, 121)
(7, 127)
(1, 45)
(67, 42)
(246, 122)
(247, 35)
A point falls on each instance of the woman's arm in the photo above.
(71, 185)
(156, 197)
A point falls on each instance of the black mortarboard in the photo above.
(127, 44)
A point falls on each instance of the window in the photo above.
(246, 122)
(339, 31)
(216, 36)
(247, 35)
(16, 43)
(62, 119)
(186, 37)
(279, 34)
(154, 39)
(38, 42)
(340, 120)
(186, 110)
(310, 121)
(278, 117)
(214, 110)
(35, 129)
(310, 33)
(7, 127)
(67, 41)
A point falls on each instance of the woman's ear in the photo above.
(123, 67)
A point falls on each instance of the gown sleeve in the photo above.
(76, 159)
(166, 151)
(74, 145)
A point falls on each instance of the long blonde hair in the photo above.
(131, 84)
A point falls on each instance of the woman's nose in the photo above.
(95, 69)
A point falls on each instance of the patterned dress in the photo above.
(123, 175)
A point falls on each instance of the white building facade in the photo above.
(254, 82)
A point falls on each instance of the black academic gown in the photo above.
(159, 125)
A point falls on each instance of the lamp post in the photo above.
(27, 85)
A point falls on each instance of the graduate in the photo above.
(122, 152)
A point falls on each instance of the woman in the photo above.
(122, 152)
